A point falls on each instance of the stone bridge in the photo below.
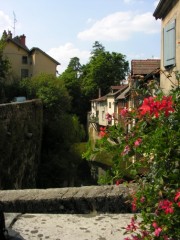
(83, 213)
(79, 200)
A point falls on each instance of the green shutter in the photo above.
(170, 44)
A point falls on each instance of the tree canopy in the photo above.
(61, 130)
(4, 68)
(83, 82)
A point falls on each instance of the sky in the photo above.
(68, 28)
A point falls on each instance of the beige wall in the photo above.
(37, 62)
(15, 54)
(164, 82)
(41, 63)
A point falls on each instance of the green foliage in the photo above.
(72, 81)
(4, 69)
(50, 90)
(103, 70)
(151, 150)
(60, 131)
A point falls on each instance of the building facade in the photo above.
(26, 62)
(169, 12)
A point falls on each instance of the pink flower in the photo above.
(137, 142)
(133, 204)
(157, 231)
(165, 237)
(155, 225)
(166, 205)
(124, 112)
(119, 181)
(132, 226)
(126, 150)
(142, 199)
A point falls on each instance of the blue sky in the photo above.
(68, 28)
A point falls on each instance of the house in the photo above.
(143, 74)
(169, 12)
(105, 110)
(26, 62)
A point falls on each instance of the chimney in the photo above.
(9, 34)
(23, 40)
(99, 92)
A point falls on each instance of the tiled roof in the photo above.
(101, 99)
(16, 41)
(119, 87)
(144, 67)
(123, 94)
(163, 8)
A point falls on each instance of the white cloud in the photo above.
(65, 52)
(121, 26)
(5, 22)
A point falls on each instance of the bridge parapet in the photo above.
(74, 200)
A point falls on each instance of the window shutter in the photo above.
(170, 44)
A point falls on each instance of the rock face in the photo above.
(20, 143)
(101, 199)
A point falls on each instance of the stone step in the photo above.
(92, 226)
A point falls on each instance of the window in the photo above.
(103, 115)
(170, 44)
(24, 59)
(109, 104)
(24, 73)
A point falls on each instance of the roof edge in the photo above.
(162, 8)
(36, 48)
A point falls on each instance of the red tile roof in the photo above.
(144, 67)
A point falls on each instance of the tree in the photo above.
(50, 90)
(97, 49)
(60, 131)
(72, 78)
(103, 70)
(4, 68)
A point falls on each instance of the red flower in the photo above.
(102, 132)
(177, 196)
(166, 205)
(154, 107)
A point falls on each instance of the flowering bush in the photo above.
(149, 153)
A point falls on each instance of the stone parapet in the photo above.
(75, 200)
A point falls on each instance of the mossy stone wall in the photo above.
(20, 143)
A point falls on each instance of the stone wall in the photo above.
(74, 200)
(20, 143)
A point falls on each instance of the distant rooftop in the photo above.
(144, 67)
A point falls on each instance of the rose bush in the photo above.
(149, 153)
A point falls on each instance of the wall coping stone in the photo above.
(74, 200)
